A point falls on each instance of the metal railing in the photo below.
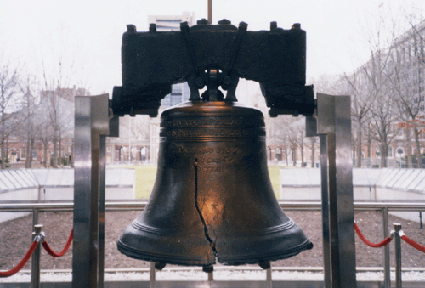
(138, 205)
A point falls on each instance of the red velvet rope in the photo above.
(367, 242)
(61, 253)
(21, 264)
(413, 243)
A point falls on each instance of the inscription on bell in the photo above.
(188, 133)
(199, 150)
(223, 159)
(217, 121)
(213, 169)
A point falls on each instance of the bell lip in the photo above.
(226, 260)
(273, 256)
(154, 257)
(251, 254)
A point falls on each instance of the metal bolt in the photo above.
(203, 21)
(296, 26)
(273, 25)
(224, 22)
(131, 28)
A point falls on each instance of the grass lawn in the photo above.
(145, 179)
(275, 179)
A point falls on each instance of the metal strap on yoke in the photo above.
(236, 45)
(184, 27)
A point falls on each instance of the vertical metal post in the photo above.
(102, 156)
(210, 11)
(311, 131)
(397, 254)
(333, 120)
(420, 219)
(152, 275)
(210, 276)
(333, 212)
(269, 277)
(91, 121)
(387, 278)
(34, 217)
(325, 211)
(35, 259)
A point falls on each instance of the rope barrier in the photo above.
(369, 243)
(413, 243)
(65, 249)
(21, 264)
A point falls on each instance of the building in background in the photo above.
(180, 92)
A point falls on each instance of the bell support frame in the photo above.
(92, 125)
(332, 123)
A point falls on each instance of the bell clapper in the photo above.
(264, 264)
(160, 265)
(207, 269)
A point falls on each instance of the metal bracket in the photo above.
(92, 125)
(333, 125)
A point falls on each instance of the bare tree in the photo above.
(28, 128)
(361, 100)
(287, 133)
(405, 75)
(311, 143)
(58, 98)
(8, 93)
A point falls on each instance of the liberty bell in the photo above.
(212, 199)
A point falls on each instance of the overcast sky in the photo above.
(87, 34)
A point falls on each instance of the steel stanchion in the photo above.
(35, 260)
(397, 254)
(34, 217)
(269, 278)
(152, 274)
(386, 249)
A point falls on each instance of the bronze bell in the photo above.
(212, 198)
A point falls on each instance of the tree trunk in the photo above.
(359, 147)
(3, 137)
(55, 148)
(59, 150)
(45, 144)
(369, 150)
(384, 155)
(28, 154)
(3, 160)
(312, 154)
(302, 150)
(408, 144)
(418, 148)
(6, 159)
